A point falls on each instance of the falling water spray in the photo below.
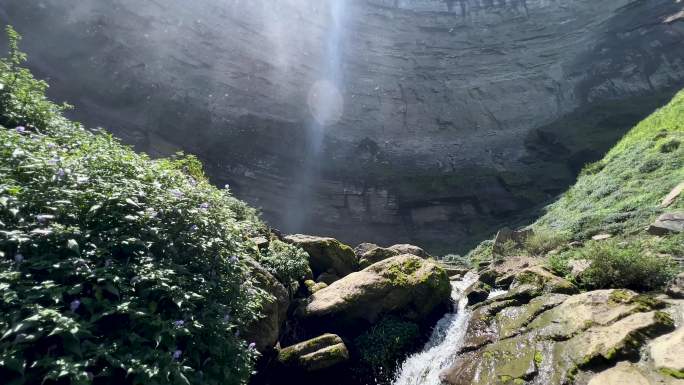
(326, 106)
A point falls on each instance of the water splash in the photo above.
(439, 353)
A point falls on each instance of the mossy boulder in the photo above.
(322, 352)
(369, 253)
(405, 285)
(375, 255)
(326, 255)
(542, 281)
(264, 331)
(548, 340)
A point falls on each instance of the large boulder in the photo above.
(409, 249)
(553, 337)
(624, 373)
(265, 331)
(326, 255)
(668, 223)
(316, 354)
(369, 253)
(405, 285)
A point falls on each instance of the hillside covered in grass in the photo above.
(603, 218)
(116, 268)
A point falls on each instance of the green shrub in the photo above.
(560, 263)
(669, 146)
(286, 262)
(543, 240)
(455, 259)
(114, 269)
(616, 264)
(382, 347)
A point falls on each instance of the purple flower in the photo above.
(74, 305)
(21, 129)
(252, 345)
(233, 259)
(51, 145)
(53, 161)
(179, 324)
(176, 193)
(226, 318)
(194, 228)
(60, 173)
(177, 354)
(43, 218)
(227, 187)
(18, 258)
(204, 206)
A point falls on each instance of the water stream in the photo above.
(424, 368)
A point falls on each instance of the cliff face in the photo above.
(453, 121)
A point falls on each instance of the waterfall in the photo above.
(424, 368)
(325, 102)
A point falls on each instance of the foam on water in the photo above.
(424, 368)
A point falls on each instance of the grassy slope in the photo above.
(619, 195)
(622, 193)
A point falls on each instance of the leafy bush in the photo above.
(382, 347)
(114, 269)
(544, 240)
(630, 265)
(286, 262)
(455, 259)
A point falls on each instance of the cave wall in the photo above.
(456, 120)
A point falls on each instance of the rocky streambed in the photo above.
(511, 322)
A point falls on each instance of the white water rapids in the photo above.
(424, 368)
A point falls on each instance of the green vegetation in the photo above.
(286, 262)
(383, 346)
(114, 268)
(619, 195)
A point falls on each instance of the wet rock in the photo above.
(514, 320)
(406, 285)
(668, 223)
(455, 272)
(501, 274)
(676, 288)
(477, 292)
(265, 331)
(316, 354)
(621, 374)
(326, 254)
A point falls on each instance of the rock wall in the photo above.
(457, 116)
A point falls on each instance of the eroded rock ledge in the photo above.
(541, 333)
